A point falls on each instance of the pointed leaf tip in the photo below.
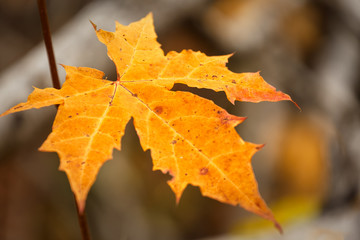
(94, 25)
(278, 227)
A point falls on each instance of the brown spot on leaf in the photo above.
(158, 109)
(233, 81)
(173, 142)
(204, 171)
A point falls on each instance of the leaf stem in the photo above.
(82, 222)
(48, 43)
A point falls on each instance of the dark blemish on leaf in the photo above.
(158, 109)
(70, 116)
(204, 171)
(201, 64)
(150, 64)
(69, 96)
(68, 161)
(173, 142)
(125, 39)
(18, 107)
(218, 112)
(214, 76)
(77, 113)
(87, 135)
(206, 75)
(186, 174)
(222, 76)
(51, 94)
(120, 49)
(200, 150)
(188, 130)
(224, 179)
(82, 163)
(224, 119)
(233, 81)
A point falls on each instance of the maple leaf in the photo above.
(189, 137)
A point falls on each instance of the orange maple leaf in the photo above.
(190, 137)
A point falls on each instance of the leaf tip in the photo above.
(296, 105)
(81, 208)
(80, 204)
(259, 146)
(94, 25)
(149, 15)
(278, 227)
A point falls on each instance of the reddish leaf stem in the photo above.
(48, 43)
(83, 223)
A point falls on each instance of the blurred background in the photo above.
(308, 171)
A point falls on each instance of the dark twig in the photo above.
(48, 43)
(56, 84)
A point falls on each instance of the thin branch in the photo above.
(48, 43)
(56, 84)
